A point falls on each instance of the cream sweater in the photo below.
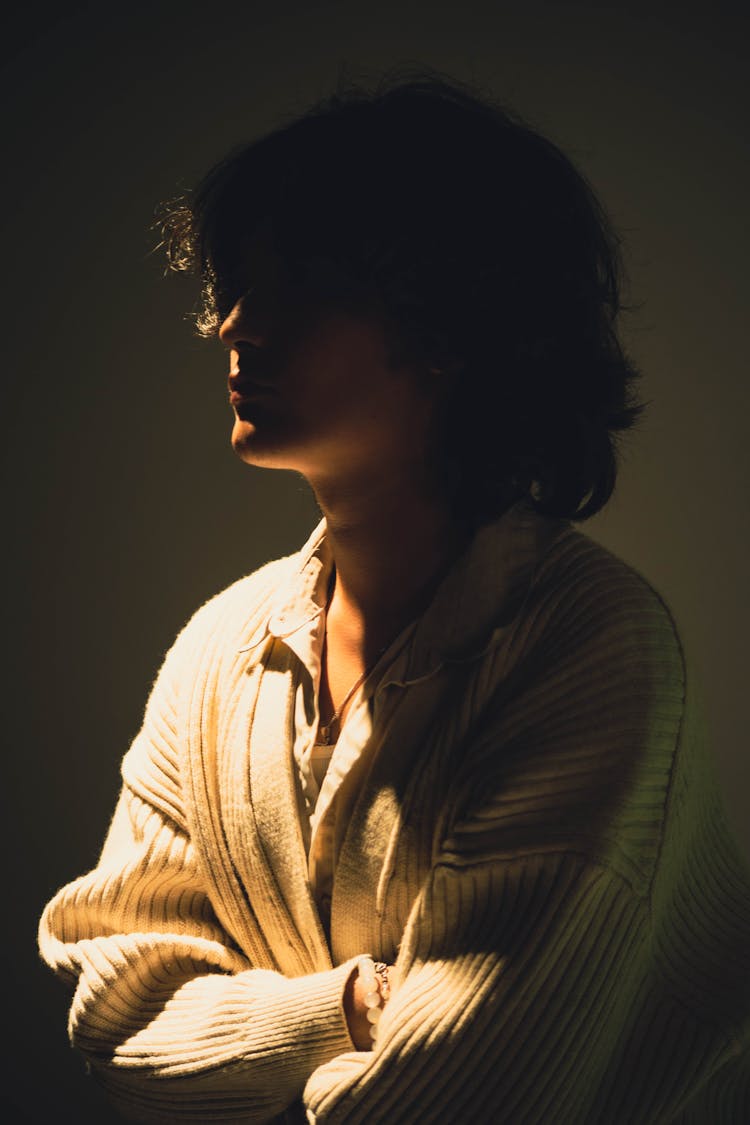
(530, 828)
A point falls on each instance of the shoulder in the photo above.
(240, 603)
(236, 620)
(588, 607)
(228, 619)
(207, 643)
(216, 632)
(575, 751)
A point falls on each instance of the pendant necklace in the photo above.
(323, 737)
(324, 729)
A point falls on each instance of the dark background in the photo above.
(125, 507)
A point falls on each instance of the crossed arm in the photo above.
(511, 995)
(494, 984)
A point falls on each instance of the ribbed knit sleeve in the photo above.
(175, 1020)
(504, 970)
(539, 978)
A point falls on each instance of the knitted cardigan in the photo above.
(536, 840)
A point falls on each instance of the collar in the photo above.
(484, 590)
(302, 593)
(481, 593)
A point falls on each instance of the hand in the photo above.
(355, 1010)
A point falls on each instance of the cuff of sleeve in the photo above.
(317, 1008)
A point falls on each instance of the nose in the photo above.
(240, 326)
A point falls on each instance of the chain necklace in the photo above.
(323, 737)
(324, 729)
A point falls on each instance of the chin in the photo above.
(246, 442)
(252, 447)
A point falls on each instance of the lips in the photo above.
(242, 387)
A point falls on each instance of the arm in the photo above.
(507, 1000)
(166, 1008)
(526, 987)
(169, 1011)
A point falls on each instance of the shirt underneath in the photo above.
(321, 769)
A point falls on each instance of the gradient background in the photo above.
(125, 505)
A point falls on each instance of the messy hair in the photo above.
(487, 252)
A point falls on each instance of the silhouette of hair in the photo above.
(484, 248)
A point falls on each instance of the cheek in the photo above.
(336, 378)
(338, 358)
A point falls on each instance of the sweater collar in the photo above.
(482, 591)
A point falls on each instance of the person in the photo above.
(422, 823)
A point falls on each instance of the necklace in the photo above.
(323, 737)
(324, 729)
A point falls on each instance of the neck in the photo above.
(391, 546)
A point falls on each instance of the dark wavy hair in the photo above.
(485, 249)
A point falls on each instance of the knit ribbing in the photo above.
(537, 840)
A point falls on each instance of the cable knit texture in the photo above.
(534, 835)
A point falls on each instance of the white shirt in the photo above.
(324, 805)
